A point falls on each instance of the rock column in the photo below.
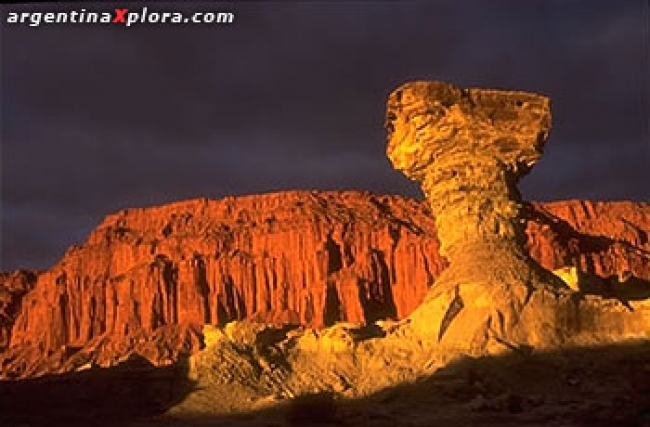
(469, 148)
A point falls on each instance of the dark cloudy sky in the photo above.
(99, 118)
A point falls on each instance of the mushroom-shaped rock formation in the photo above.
(469, 148)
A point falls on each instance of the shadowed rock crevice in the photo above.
(13, 287)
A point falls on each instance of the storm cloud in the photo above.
(291, 96)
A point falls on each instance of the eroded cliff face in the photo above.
(146, 279)
(608, 240)
(298, 257)
(13, 287)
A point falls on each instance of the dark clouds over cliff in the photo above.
(99, 118)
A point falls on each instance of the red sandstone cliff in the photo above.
(13, 287)
(147, 277)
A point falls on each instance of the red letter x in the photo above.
(120, 15)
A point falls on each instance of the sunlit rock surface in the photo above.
(295, 301)
(469, 148)
(309, 258)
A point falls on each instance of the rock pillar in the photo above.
(468, 149)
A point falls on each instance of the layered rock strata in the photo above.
(13, 287)
(468, 148)
(147, 280)
(366, 257)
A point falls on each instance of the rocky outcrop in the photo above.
(605, 239)
(468, 148)
(166, 282)
(147, 280)
(13, 287)
(310, 258)
(298, 257)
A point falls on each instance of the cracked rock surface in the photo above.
(468, 148)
